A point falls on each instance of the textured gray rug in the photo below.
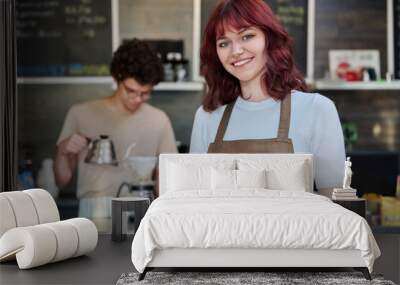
(243, 278)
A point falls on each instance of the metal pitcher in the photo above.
(102, 151)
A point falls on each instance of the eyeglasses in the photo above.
(144, 96)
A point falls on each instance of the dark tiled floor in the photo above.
(102, 266)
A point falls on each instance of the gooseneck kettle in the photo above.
(102, 151)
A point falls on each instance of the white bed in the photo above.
(204, 219)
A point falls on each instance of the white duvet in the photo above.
(252, 218)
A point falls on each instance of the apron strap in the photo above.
(224, 122)
(284, 120)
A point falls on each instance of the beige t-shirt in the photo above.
(148, 127)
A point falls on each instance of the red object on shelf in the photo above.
(342, 69)
(352, 76)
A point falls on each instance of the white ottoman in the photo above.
(31, 231)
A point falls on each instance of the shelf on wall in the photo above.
(361, 85)
(66, 80)
(199, 85)
(180, 86)
(162, 86)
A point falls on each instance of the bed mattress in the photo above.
(250, 219)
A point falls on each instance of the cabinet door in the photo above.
(350, 24)
(159, 20)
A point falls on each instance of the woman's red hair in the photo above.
(281, 76)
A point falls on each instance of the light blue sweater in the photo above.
(314, 128)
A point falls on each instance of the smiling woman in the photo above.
(256, 100)
(242, 53)
(243, 30)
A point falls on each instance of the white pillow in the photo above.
(293, 180)
(223, 179)
(281, 175)
(237, 179)
(251, 178)
(181, 177)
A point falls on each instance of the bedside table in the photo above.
(138, 205)
(355, 205)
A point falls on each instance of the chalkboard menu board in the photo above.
(293, 16)
(396, 10)
(63, 38)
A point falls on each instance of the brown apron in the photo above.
(281, 144)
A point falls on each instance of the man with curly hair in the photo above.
(126, 118)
